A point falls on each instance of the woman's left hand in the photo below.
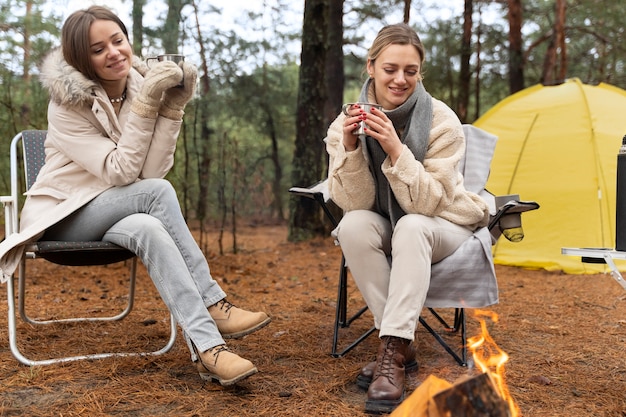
(382, 129)
(176, 98)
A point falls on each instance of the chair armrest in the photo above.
(316, 191)
(10, 214)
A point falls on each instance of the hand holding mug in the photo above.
(364, 108)
(176, 58)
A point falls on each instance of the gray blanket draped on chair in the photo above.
(467, 278)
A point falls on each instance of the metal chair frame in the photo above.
(475, 169)
(62, 253)
(316, 192)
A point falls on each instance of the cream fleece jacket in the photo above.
(432, 188)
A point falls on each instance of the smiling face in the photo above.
(395, 72)
(110, 52)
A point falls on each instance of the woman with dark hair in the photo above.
(112, 131)
(404, 201)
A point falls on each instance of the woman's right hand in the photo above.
(161, 76)
(354, 115)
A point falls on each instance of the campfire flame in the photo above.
(490, 358)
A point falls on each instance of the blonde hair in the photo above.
(398, 34)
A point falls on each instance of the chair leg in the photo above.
(341, 314)
(459, 324)
(132, 277)
(12, 329)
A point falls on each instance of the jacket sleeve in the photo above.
(435, 187)
(350, 182)
(73, 133)
(160, 156)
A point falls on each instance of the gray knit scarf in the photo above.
(413, 121)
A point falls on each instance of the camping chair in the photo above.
(62, 253)
(473, 259)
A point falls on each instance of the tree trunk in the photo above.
(171, 27)
(559, 28)
(466, 53)
(277, 202)
(555, 69)
(305, 220)
(334, 62)
(137, 15)
(202, 146)
(407, 11)
(516, 60)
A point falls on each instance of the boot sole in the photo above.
(364, 382)
(227, 382)
(382, 406)
(242, 333)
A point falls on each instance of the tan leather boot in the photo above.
(364, 378)
(234, 322)
(221, 365)
(386, 390)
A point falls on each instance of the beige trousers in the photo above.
(391, 267)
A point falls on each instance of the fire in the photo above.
(490, 358)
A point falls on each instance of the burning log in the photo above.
(472, 397)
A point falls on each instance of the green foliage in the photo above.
(241, 129)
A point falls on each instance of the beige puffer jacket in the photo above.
(88, 150)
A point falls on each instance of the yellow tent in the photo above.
(558, 146)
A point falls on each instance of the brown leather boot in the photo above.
(386, 390)
(364, 378)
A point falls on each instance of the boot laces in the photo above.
(219, 349)
(225, 305)
(215, 351)
(386, 363)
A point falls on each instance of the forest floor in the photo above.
(565, 336)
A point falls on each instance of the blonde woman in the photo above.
(404, 201)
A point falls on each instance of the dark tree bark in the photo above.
(305, 219)
(202, 146)
(137, 16)
(555, 69)
(277, 202)
(407, 11)
(171, 27)
(559, 26)
(516, 55)
(549, 62)
(335, 77)
(465, 75)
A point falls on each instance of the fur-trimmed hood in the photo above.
(67, 86)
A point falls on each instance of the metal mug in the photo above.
(367, 107)
(177, 58)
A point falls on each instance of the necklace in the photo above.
(119, 99)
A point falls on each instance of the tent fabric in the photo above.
(558, 145)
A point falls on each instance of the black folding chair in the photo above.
(475, 167)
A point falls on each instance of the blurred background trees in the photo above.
(270, 86)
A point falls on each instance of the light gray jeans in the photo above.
(145, 217)
(391, 267)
